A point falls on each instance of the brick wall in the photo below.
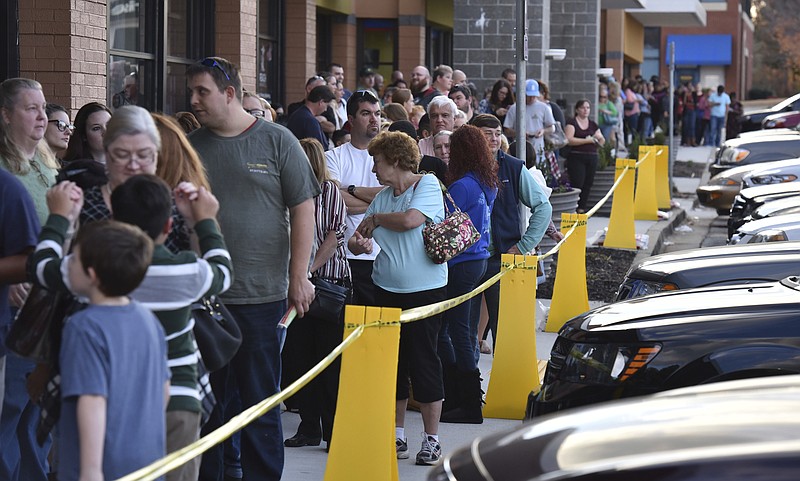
(63, 47)
(343, 48)
(235, 36)
(300, 48)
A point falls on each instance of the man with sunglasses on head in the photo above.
(351, 165)
(265, 186)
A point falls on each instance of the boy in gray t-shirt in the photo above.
(113, 358)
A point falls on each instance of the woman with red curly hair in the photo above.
(473, 184)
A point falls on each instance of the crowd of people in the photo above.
(638, 108)
(140, 214)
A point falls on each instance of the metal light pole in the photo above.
(521, 39)
(671, 111)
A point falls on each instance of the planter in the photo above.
(562, 202)
(603, 181)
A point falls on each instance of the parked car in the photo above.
(775, 208)
(672, 340)
(771, 229)
(754, 150)
(719, 191)
(742, 430)
(752, 120)
(710, 266)
(752, 198)
(776, 172)
(781, 120)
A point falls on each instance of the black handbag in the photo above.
(216, 331)
(36, 331)
(329, 300)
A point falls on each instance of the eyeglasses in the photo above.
(124, 157)
(256, 113)
(39, 174)
(62, 126)
(211, 63)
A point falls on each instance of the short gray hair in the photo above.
(131, 120)
(443, 102)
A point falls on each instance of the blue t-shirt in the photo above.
(477, 201)
(402, 266)
(723, 101)
(19, 230)
(117, 352)
(304, 125)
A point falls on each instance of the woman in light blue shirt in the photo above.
(405, 277)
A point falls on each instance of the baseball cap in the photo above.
(531, 88)
(365, 71)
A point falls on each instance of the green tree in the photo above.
(776, 62)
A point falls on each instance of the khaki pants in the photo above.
(183, 428)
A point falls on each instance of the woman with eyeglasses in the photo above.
(23, 153)
(87, 138)
(132, 144)
(59, 129)
(257, 107)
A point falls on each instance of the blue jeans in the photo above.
(714, 131)
(458, 338)
(257, 370)
(22, 457)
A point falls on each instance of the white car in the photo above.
(772, 173)
(770, 229)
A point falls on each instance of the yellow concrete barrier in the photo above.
(663, 193)
(570, 295)
(645, 203)
(363, 429)
(514, 369)
(621, 226)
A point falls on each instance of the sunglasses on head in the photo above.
(61, 125)
(364, 94)
(211, 63)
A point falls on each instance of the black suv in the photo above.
(673, 340)
(750, 199)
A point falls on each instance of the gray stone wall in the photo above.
(483, 43)
(575, 26)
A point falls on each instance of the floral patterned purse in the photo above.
(450, 237)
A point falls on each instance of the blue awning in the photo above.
(700, 49)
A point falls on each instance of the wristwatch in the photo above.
(351, 189)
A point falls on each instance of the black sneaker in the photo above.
(430, 453)
(402, 448)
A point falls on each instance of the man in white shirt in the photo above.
(442, 113)
(351, 165)
(538, 118)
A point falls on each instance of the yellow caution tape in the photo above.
(184, 455)
(417, 313)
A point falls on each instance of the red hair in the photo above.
(469, 152)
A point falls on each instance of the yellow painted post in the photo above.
(663, 193)
(364, 423)
(645, 204)
(621, 227)
(514, 369)
(570, 296)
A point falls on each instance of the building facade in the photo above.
(107, 50)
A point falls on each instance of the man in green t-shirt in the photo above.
(265, 187)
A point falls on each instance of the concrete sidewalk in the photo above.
(308, 463)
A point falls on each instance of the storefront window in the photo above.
(268, 53)
(378, 41)
(149, 51)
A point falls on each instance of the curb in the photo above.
(658, 233)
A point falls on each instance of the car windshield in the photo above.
(782, 105)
